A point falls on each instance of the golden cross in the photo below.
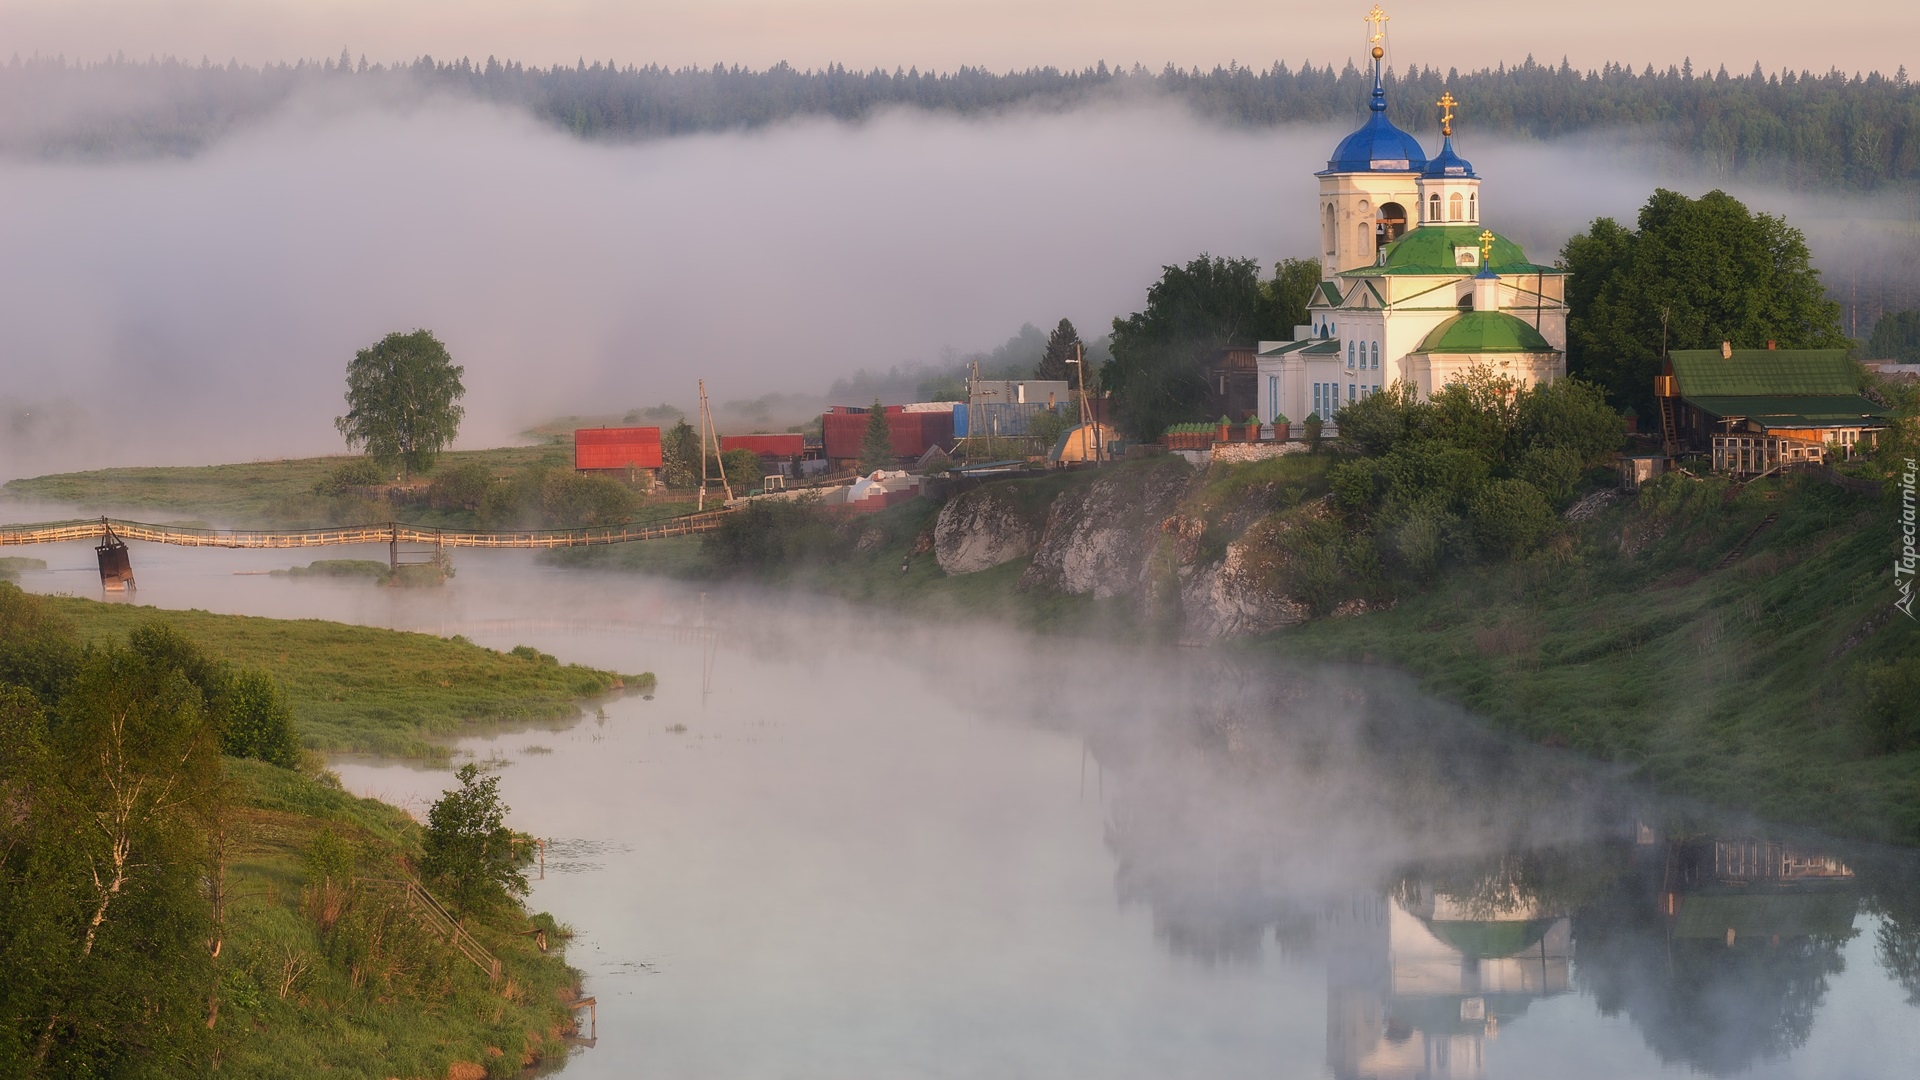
(1486, 246)
(1379, 20)
(1446, 104)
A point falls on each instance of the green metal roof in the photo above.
(1326, 295)
(1791, 411)
(1429, 249)
(1763, 372)
(1484, 332)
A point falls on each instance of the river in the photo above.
(836, 844)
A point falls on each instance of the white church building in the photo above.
(1413, 286)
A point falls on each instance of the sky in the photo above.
(944, 34)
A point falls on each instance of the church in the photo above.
(1414, 287)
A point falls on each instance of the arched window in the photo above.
(1473, 207)
(1454, 205)
(1326, 230)
(1376, 355)
(1433, 207)
(1349, 354)
(1364, 240)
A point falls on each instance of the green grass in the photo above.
(367, 690)
(1739, 686)
(298, 999)
(256, 492)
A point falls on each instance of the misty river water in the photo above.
(835, 844)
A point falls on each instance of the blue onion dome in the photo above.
(1378, 146)
(1447, 165)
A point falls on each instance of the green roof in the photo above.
(1764, 373)
(1429, 249)
(1490, 939)
(1800, 411)
(1484, 332)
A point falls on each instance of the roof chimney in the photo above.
(1726, 350)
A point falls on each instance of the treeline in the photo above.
(1803, 129)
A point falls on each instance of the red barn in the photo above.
(911, 428)
(624, 452)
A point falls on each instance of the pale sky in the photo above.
(999, 34)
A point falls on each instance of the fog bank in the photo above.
(201, 310)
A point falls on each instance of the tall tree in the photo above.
(402, 394)
(1063, 346)
(1291, 290)
(1158, 371)
(680, 455)
(876, 448)
(1695, 273)
(1896, 337)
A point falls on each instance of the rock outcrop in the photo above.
(1232, 597)
(1098, 536)
(980, 529)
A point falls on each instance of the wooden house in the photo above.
(1755, 410)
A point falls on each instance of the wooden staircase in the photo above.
(441, 924)
(1669, 433)
(1740, 548)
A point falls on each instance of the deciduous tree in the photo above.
(1695, 273)
(468, 849)
(402, 400)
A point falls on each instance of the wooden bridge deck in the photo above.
(391, 532)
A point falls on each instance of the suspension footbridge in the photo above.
(109, 537)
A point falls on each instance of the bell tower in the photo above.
(1449, 188)
(1370, 190)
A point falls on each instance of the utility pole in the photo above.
(706, 428)
(1086, 432)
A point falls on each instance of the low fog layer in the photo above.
(203, 310)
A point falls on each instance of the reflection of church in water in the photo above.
(1416, 983)
(1420, 980)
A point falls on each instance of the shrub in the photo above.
(468, 849)
(459, 487)
(1356, 484)
(1555, 470)
(1891, 711)
(1509, 517)
(257, 721)
(357, 472)
(569, 500)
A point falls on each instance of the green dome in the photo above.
(1484, 332)
(1431, 248)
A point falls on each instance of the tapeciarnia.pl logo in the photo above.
(1903, 566)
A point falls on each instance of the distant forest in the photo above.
(1806, 131)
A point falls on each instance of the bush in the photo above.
(459, 487)
(1509, 517)
(258, 722)
(1891, 712)
(468, 849)
(1555, 470)
(569, 500)
(1355, 483)
(360, 472)
(1048, 425)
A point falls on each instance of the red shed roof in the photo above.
(616, 448)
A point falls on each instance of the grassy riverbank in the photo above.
(248, 918)
(361, 689)
(248, 494)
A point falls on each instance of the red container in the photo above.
(844, 430)
(616, 448)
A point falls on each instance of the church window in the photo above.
(1326, 230)
(1365, 235)
(1349, 354)
(1473, 207)
(1454, 204)
(1433, 207)
(1352, 390)
(1273, 397)
(1376, 356)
